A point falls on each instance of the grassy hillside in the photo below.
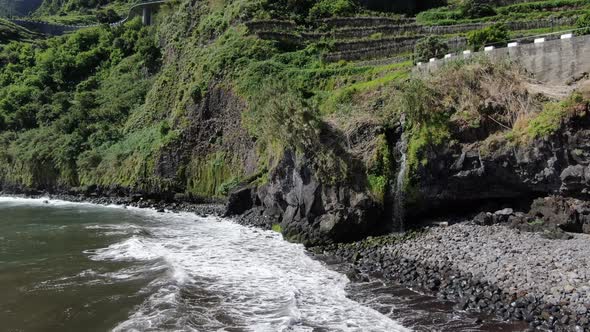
(139, 107)
(69, 119)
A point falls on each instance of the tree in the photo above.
(496, 33)
(477, 9)
(430, 47)
(108, 16)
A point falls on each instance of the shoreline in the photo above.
(408, 260)
(160, 205)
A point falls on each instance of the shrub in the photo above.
(583, 23)
(330, 8)
(476, 9)
(277, 228)
(494, 34)
(280, 115)
(430, 47)
(380, 168)
(547, 122)
(107, 16)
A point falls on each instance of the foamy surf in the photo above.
(222, 276)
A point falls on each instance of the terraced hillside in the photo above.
(378, 35)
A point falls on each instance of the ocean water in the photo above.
(82, 267)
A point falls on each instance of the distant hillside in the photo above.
(11, 32)
(18, 7)
(81, 12)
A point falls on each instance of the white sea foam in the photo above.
(19, 201)
(91, 277)
(117, 229)
(250, 279)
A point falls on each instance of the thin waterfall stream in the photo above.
(399, 192)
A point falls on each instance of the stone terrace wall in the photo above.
(359, 28)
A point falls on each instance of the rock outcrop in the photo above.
(307, 210)
(569, 214)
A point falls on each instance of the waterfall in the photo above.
(399, 190)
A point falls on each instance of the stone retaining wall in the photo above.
(339, 22)
(551, 61)
(378, 48)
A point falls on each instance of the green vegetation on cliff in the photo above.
(481, 11)
(197, 104)
(95, 108)
(64, 100)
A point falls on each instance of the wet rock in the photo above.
(574, 179)
(484, 219)
(240, 201)
(308, 210)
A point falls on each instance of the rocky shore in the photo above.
(491, 269)
(199, 208)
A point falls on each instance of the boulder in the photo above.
(568, 214)
(240, 200)
(502, 216)
(484, 219)
(574, 179)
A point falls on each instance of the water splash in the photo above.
(222, 275)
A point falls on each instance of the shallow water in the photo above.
(81, 267)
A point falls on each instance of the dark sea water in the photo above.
(81, 267)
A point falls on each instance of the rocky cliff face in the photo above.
(481, 168)
(467, 175)
(305, 209)
(214, 130)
